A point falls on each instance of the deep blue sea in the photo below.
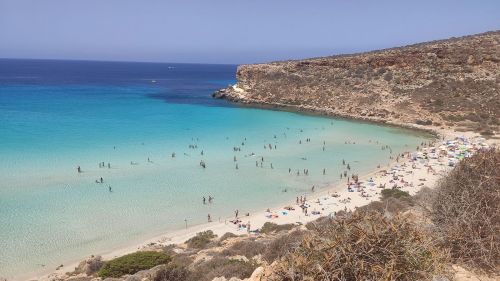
(58, 115)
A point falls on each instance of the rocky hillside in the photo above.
(453, 82)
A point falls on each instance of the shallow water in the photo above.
(55, 116)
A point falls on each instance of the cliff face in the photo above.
(452, 82)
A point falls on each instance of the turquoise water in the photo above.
(55, 116)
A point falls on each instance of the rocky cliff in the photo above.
(453, 82)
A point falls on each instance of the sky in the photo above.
(229, 31)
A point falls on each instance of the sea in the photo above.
(147, 129)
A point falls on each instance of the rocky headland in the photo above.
(453, 83)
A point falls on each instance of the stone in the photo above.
(90, 265)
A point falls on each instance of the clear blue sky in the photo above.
(229, 31)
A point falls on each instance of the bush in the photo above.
(247, 248)
(132, 263)
(394, 193)
(226, 236)
(283, 245)
(388, 76)
(172, 272)
(201, 240)
(364, 246)
(424, 122)
(219, 266)
(269, 227)
(466, 211)
(389, 206)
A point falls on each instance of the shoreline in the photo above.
(243, 101)
(179, 236)
(258, 218)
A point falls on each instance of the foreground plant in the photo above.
(365, 246)
(466, 211)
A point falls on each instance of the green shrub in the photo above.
(269, 227)
(201, 240)
(132, 263)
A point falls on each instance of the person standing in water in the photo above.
(79, 169)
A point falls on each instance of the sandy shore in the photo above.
(409, 172)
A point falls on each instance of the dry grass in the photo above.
(365, 246)
(466, 211)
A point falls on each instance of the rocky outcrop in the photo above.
(90, 265)
(452, 82)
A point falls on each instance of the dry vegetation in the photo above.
(466, 211)
(365, 246)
